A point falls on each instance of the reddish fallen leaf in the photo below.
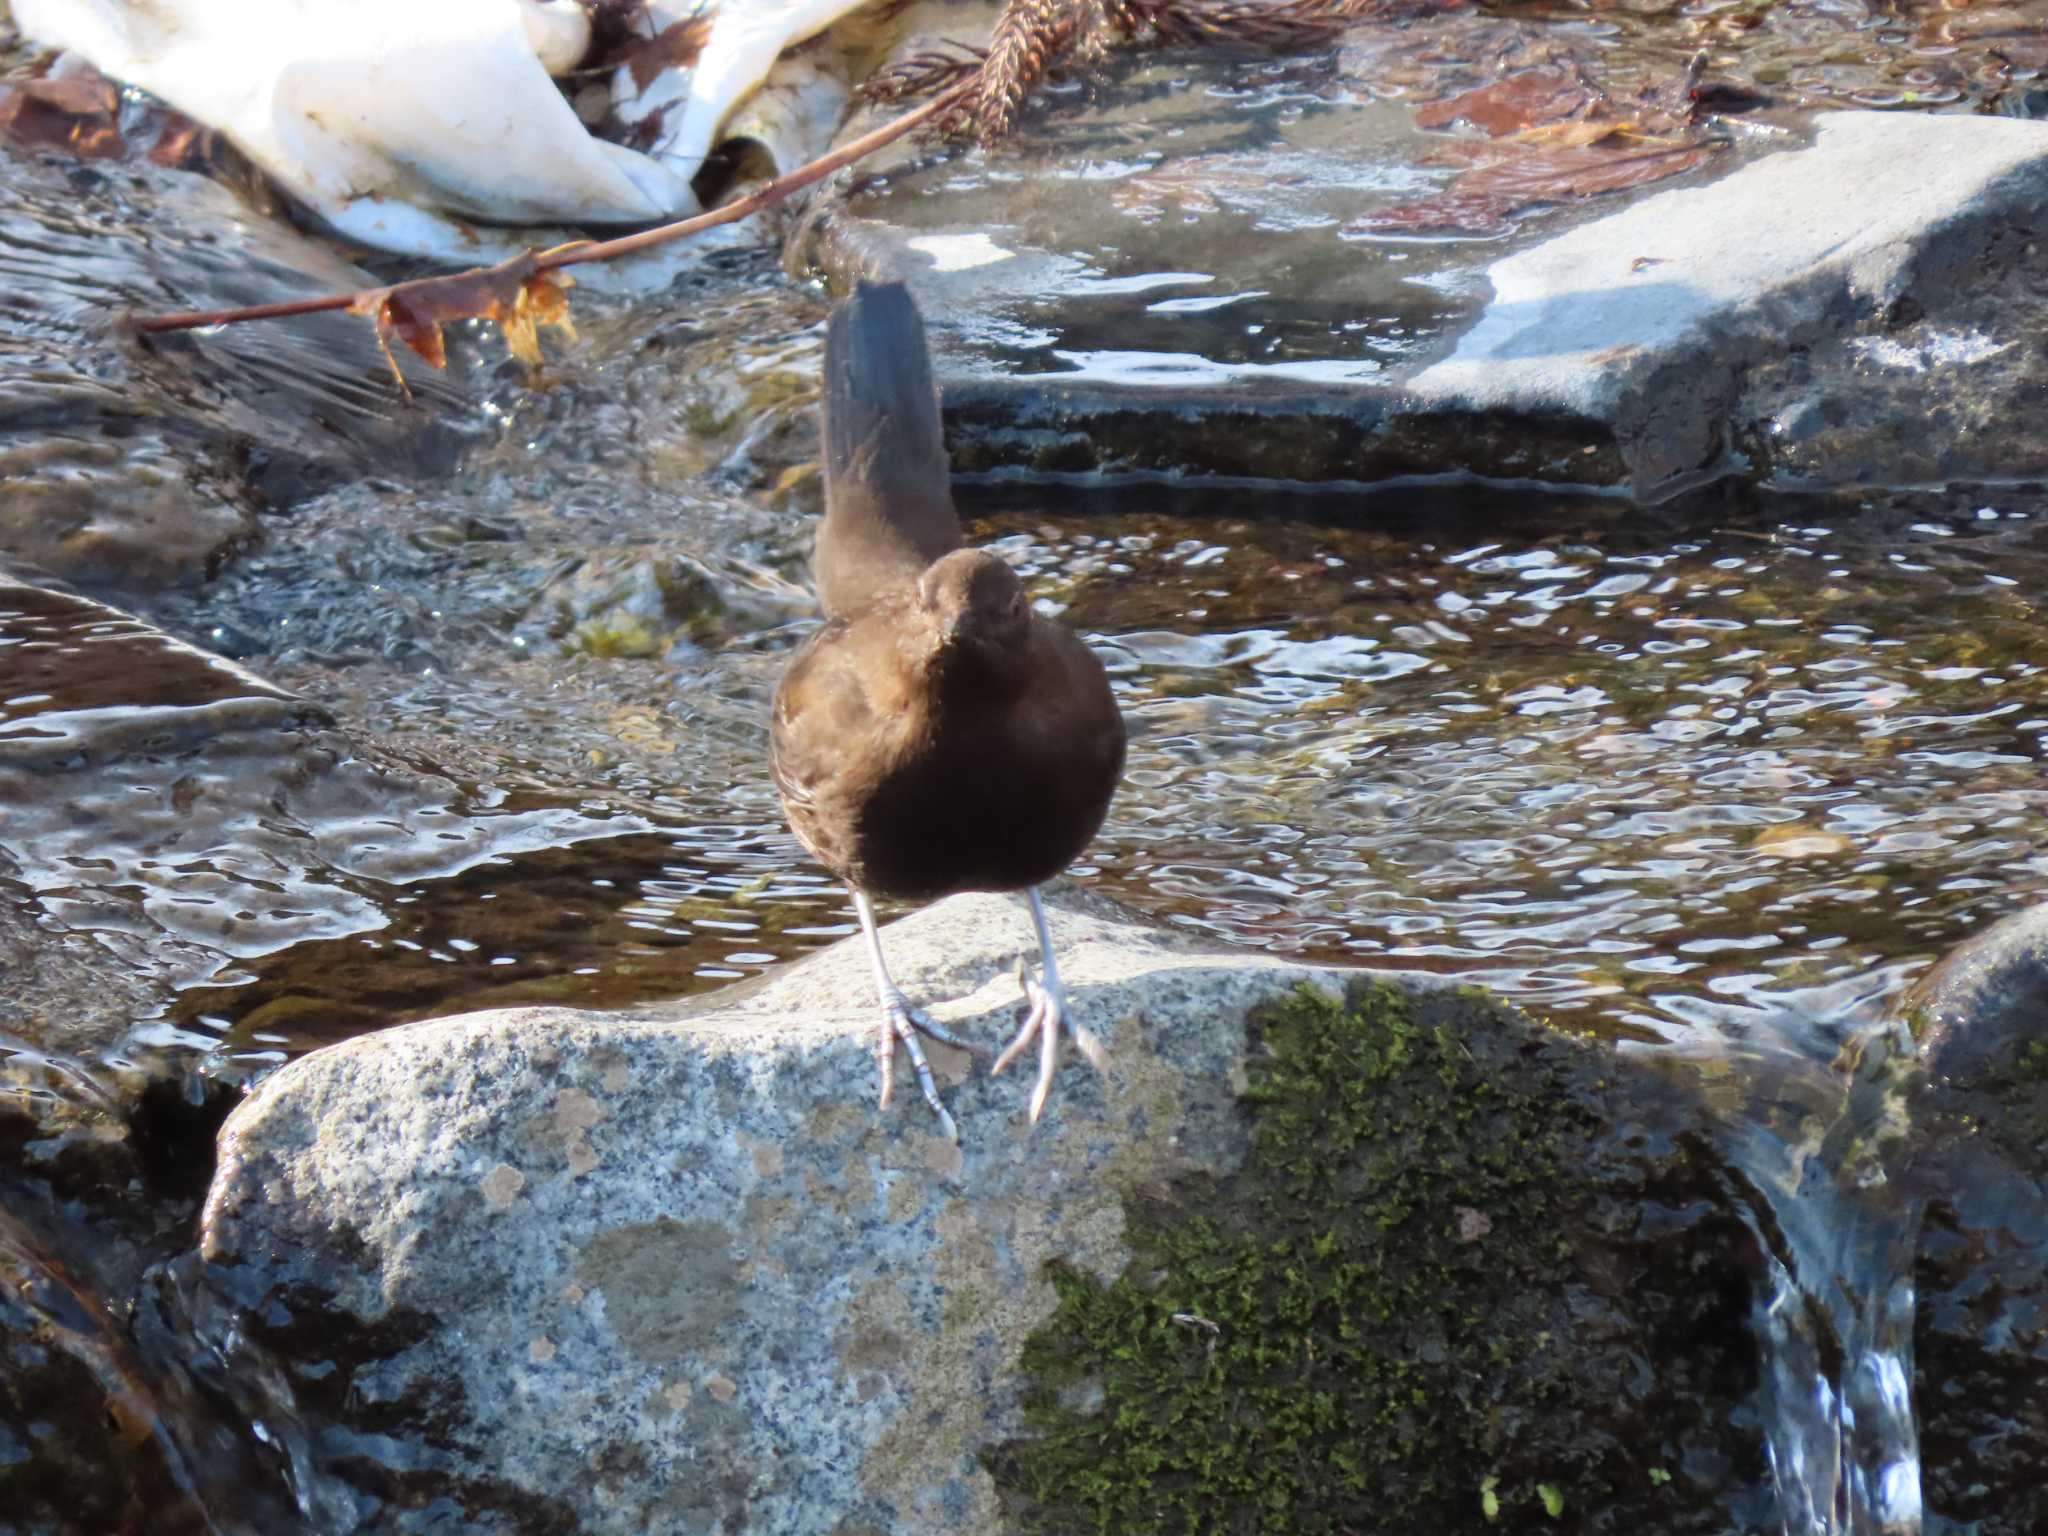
(543, 300)
(1447, 213)
(1512, 178)
(2011, 36)
(1513, 104)
(675, 46)
(78, 112)
(1557, 175)
(515, 296)
(1581, 133)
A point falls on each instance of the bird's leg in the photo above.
(902, 1022)
(1048, 1018)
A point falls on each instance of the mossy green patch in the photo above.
(1366, 1329)
(2031, 1063)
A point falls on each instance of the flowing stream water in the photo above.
(1719, 783)
(470, 712)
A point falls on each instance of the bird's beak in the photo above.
(948, 628)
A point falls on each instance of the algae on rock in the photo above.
(1419, 1306)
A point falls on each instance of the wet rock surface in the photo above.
(170, 812)
(1784, 320)
(1275, 273)
(1981, 1121)
(141, 464)
(671, 1272)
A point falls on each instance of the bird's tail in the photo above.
(888, 498)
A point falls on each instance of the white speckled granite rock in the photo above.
(673, 1273)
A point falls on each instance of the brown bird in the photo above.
(936, 735)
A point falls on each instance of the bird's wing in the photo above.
(845, 711)
(822, 715)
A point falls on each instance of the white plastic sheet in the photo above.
(405, 124)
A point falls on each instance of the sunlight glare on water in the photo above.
(1668, 781)
(1628, 777)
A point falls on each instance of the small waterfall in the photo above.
(1834, 1299)
(254, 1391)
(191, 1462)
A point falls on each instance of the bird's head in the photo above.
(976, 604)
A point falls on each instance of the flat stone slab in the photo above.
(1878, 243)
(1164, 285)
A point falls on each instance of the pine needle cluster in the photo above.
(1034, 38)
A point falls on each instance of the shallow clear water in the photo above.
(1725, 777)
(1628, 771)
(1718, 780)
(1657, 774)
(1194, 226)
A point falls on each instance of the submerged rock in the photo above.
(672, 1272)
(1980, 1010)
(170, 812)
(142, 465)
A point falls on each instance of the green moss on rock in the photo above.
(1371, 1326)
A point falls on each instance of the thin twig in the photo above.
(579, 251)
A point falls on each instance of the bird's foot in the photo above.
(902, 1022)
(1047, 1020)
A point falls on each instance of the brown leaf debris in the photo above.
(516, 296)
(675, 46)
(78, 112)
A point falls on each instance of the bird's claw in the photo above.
(1047, 1020)
(902, 1022)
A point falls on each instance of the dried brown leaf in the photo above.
(542, 300)
(546, 296)
(1514, 104)
(423, 336)
(1510, 178)
(78, 112)
(1569, 135)
(1580, 133)
(675, 46)
(1191, 186)
(513, 295)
